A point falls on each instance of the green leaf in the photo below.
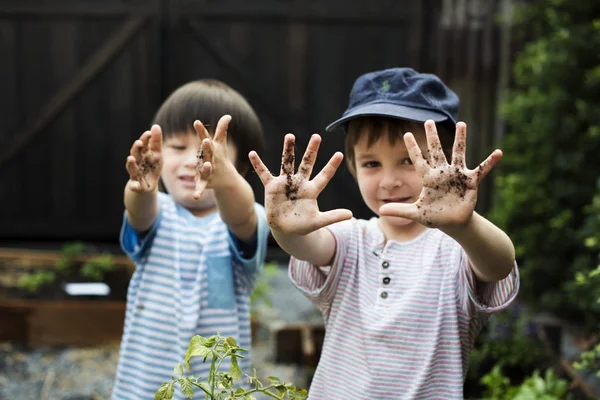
(206, 387)
(178, 371)
(165, 392)
(231, 341)
(186, 387)
(196, 348)
(234, 370)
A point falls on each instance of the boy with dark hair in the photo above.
(405, 293)
(197, 249)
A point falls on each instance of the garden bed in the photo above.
(36, 304)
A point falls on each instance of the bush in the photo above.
(551, 163)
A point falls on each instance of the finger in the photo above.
(202, 179)
(409, 211)
(323, 177)
(155, 141)
(132, 167)
(207, 150)
(136, 149)
(310, 155)
(288, 157)
(135, 186)
(436, 154)
(485, 167)
(415, 154)
(331, 217)
(261, 169)
(460, 145)
(201, 130)
(145, 139)
(221, 131)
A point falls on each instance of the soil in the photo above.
(117, 280)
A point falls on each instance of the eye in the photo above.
(371, 164)
(177, 147)
(407, 161)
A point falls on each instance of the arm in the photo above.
(291, 203)
(144, 165)
(491, 252)
(447, 201)
(233, 194)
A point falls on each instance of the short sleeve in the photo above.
(319, 283)
(479, 297)
(250, 267)
(133, 243)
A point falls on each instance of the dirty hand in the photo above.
(291, 198)
(213, 167)
(449, 191)
(144, 163)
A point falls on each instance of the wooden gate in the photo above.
(81, 79)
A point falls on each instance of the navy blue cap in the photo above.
(400, 93)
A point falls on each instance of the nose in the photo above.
(191, 156)
(390, 179)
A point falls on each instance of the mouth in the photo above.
(187, 181)
(396, 200)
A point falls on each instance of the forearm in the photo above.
(317, 247)
(490, 251)
(142, 208)
(235, 202)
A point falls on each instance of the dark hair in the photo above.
(394, 129)
(208, 100)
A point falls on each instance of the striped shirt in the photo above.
(400, 318)
(190, 279)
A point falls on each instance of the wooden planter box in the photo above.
(51, 316)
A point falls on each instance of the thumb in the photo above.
(331, 217)
(402, 210)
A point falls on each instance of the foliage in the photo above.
(548, 387)
(550, 166)
(68, 253)
(261, 293)
(221, 385)
(96, 267)
(34, 281)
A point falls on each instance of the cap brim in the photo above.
(391, 111)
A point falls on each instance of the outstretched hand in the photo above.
(449, 191)
(291, 198)
(213, 166)
(144, 163)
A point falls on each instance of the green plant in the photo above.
(68, 252)
(221, 385)
(34, 281)
(551, 151)
(260, 295)
(535, 387)
(96, 267)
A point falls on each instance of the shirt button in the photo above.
(386, 280)
(385, 264)
(384, 295)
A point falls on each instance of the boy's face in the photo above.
(385, 174)
(179, 171)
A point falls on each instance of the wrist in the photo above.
(462, 230)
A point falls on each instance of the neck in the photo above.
(402, 233)
(204, 212)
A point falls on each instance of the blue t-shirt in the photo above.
(190, 279)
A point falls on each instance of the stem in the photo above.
(204, 390)
(263, 390)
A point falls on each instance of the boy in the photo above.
(198, 247)
(403, 294)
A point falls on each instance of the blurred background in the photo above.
(81, 79)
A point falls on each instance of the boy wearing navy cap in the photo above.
(405, 293)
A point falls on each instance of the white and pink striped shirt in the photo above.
(400, 318)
